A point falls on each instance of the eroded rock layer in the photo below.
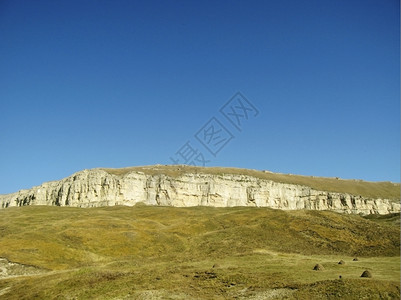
(93, 188)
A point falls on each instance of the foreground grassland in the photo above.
(386, 190)
(197, 253)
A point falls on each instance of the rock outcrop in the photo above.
(97, 187)
(10, 269)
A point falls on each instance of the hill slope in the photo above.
(145, 252)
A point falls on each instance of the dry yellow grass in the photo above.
(169, 253)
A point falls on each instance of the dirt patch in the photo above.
(156, 294)
(4, 291)
(12, 269)
(283, 293)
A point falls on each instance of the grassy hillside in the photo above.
(197, 253)
(387, 190)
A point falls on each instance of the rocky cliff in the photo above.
(99, 187)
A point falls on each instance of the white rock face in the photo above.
(92, 188)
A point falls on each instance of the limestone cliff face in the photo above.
(92, 188)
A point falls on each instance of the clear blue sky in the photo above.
(87, 84)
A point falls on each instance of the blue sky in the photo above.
(87, 84)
